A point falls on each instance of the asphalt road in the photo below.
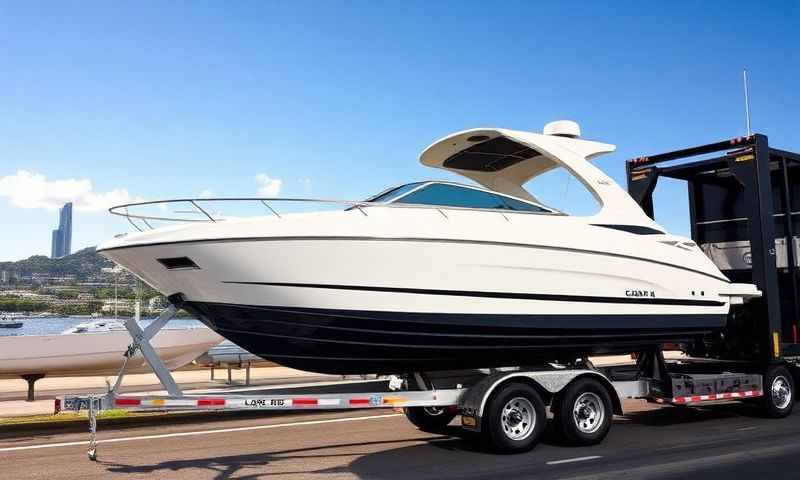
(722, 441)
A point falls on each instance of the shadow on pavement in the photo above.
(232, 465)
(668, 416)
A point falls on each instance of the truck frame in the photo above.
(757, 359)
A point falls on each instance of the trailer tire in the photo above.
(430, 419)
(514, 419)
(583, 412)
(778, 397)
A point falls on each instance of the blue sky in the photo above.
(116, 100)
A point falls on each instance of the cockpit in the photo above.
(446, 194)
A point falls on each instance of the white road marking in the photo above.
(576, 459)
(745, 429)
(201, 432)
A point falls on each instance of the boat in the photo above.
(95, 348)
(6, 322)
(439, 275)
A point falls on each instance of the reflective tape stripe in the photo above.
(718, 396)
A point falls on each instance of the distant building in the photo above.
(112, 305)
(61, 245)
(155, 303)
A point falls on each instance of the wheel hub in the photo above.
(588, 412)
(518, 418)
(781, 392)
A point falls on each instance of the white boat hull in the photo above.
(470, 288)
(86, 354)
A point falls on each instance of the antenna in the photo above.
(747, 101)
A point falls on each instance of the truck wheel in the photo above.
(514, 419)
(430, 419)
(778, 392)
(583, 412)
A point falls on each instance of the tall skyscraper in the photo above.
(62, 237)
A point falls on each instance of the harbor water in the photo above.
(56, 325)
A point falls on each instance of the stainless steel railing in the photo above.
(201, 207)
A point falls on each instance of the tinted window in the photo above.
(522, 206)
(455, 196)
(395, 192)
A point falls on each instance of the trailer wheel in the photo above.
(583, 412)
(430, 419)
(778, 392)
(514, 419)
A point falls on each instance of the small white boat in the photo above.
(96, 348)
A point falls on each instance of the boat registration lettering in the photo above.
(265, 402)
(640, 293)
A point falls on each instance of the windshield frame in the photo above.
(425, 184)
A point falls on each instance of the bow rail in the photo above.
(203, 209)
(137, 215)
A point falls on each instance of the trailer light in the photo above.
(776, 345)
(127, 402)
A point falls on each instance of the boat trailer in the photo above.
(429, 400)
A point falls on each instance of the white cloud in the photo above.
(268, 187)
(206, 193)
(306, 183)
(33, 190)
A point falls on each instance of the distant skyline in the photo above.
(61, 237)
(107, 103)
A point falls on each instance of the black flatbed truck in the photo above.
(744, 213)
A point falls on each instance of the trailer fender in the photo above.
(548, 383)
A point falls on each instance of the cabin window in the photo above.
(445, 195)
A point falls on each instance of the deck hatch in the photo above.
(491, 156)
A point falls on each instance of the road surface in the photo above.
(722, 441)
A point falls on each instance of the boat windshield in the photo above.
(392, 194)
(451, 195)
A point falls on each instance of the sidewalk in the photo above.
(13, 391)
